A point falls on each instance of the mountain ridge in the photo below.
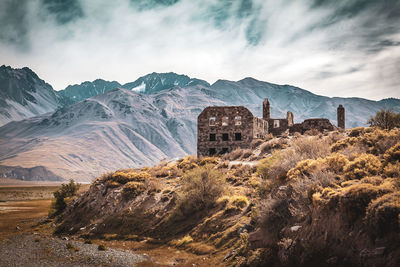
(123, 128)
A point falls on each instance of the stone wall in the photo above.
(318, 124)
(215, 124)
(277, 126)
(260, 128)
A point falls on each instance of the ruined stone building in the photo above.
(225, 128)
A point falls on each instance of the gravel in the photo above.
(37, 250)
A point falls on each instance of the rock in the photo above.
(332, 260)
(230, 254)
(295, 228)
(377, 252)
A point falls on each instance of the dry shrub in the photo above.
(355, 198)
(208, 160)
(383, 214)
(333, 164)
(343, 143)
(364, 165)
(112, 184)
(243, 171)
(187, 163)
(374, 140)
(234, 154)
(183, 241)
(356, 132)
(352, 197)
(200, 189)
(353, 151)
(374, 180)
(233, 203)
(125, 176)
(311, 147)
(393, 154)
(223, 165)
(132, 190)
(273, 144)
(312, 132)
(246, 154)
(335, 136)
(392, 170)
(277, 165)
(256, 143)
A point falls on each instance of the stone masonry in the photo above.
(225, 128)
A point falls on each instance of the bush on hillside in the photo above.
(201, 187)
(393, 154)
(383, 214)
(364, 165)
(187, 163)
(132, 190)
(63, 194)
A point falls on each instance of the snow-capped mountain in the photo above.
(79, 92)
(125, 128)
(156, 82)
(23, 94)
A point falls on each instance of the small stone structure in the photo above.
(225, 128)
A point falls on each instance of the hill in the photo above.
(324, 200)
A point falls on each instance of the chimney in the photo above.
(289, 117)
(341, 117)
(266, 109)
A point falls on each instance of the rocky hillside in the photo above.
(325, 200)
(156, 82)
(85, 90)
(23, 94)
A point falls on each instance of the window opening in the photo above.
(212, 137)
(238, 136)
(212, 121)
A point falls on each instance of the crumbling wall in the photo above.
(260, 128)
(309, 124)
(277, 126)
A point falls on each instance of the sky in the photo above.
(346, 48)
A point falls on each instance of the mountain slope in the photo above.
(115, 130)
(123, 128)
(79, 92)
(156, 82)
(23, 94)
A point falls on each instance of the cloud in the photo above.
(341, 48)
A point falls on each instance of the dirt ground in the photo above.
(27, 216)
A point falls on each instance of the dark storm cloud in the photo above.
(13, 24)
(64, 10)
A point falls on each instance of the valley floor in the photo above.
(26, 239)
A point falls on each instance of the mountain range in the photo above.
(95, 127)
